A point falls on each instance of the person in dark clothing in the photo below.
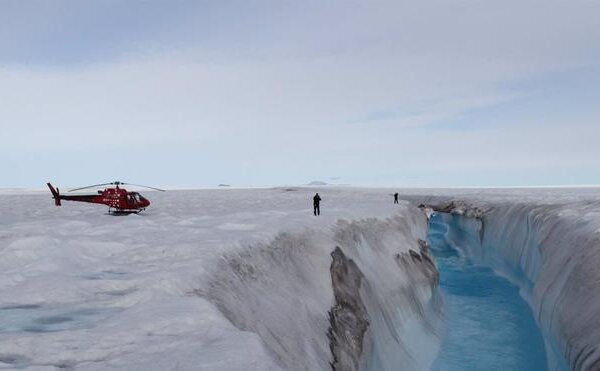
(316, 202)
(396, 197)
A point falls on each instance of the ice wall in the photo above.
(87, 291)
(306, 293)
(551, 252)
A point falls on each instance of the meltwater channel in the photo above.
(487, 324)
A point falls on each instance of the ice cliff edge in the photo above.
(360, 295)
(551, 250)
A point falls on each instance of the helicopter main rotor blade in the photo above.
(92, 186)
(139, 185)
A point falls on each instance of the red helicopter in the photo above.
(119, 200)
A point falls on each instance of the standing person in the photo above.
(316, 202)
(396, 198)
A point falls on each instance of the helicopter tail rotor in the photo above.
(55, 194)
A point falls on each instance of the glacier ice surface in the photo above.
(85, 290)
(161, 290)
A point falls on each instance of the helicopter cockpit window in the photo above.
(136, 197)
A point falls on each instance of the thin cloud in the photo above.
(344, 88)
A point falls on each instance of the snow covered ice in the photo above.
(237, 279)
(87, 290)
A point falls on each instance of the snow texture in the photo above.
(235, 279)
(223, 279)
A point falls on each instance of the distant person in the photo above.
(396, 198)
(316, 203)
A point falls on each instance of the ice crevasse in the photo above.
(383, 284)
(361, 295)
(265, 285)
(551, 251)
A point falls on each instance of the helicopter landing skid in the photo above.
(121, 212)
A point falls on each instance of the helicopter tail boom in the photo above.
(55, 194)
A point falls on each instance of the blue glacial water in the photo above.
(488, 326)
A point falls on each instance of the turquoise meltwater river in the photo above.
(487, 324)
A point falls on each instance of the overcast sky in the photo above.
(403, 93)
